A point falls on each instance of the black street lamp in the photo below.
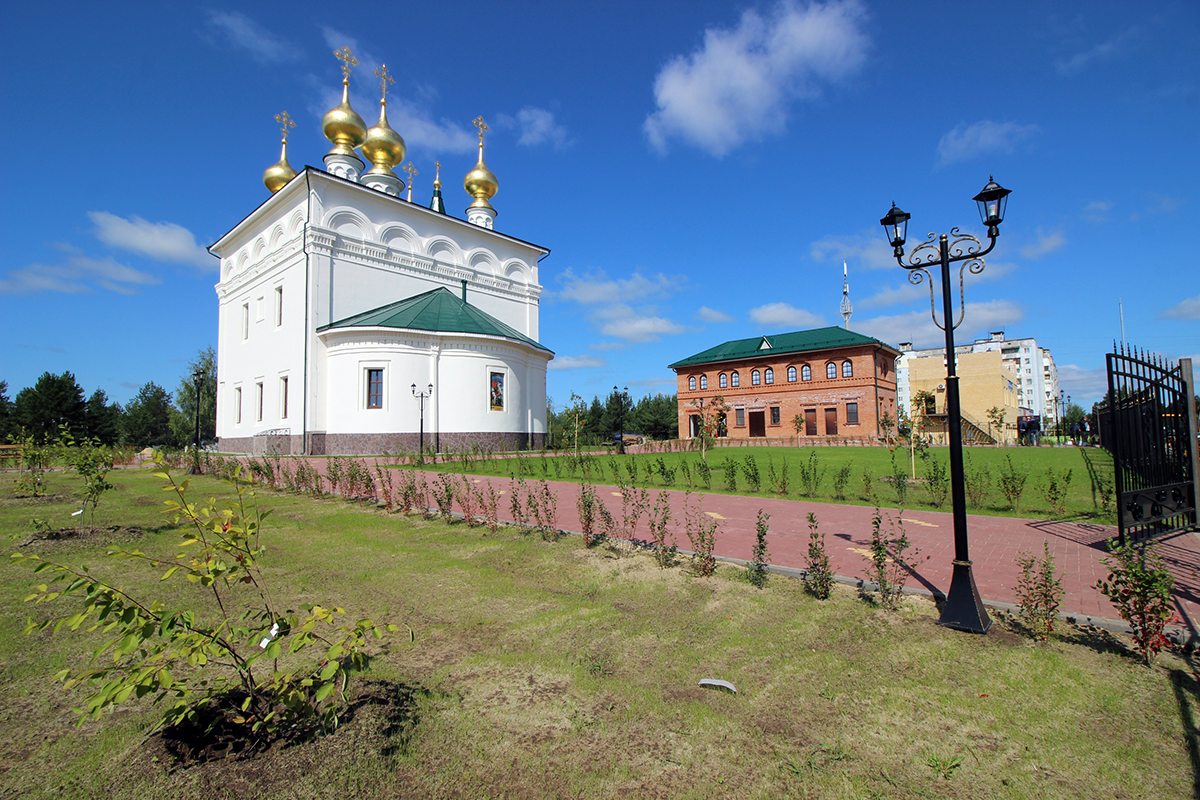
(198, 384)
(1064, 400)
(421, 397)
(963, 608)
(622, 399)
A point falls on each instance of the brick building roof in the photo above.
(781, 344)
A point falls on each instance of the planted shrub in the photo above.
(490, 504)
(585, 507)
(335, 471)
(899, 480)
(868, 484)
(887, 567)
(466, 501)
(659, 519)
(1139, 585)
(731, 473)
(443, 496)
(1012, 484)
(1039, 592)
(937, 482)
(1055, 490)
(701, 531)
(818, 576)
(810, 475)
(387, 486)
(704, 472)
(544, 505)
(756, 568)
(516, 503)
(634, 503)
(840, 481)
(750, 470)
(978, 484)
(225, 650)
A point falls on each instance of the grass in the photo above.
(1091, 471)
(550, 670)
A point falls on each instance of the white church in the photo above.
(355, 321)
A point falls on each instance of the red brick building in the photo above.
(838, 382)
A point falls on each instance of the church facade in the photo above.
(355, 321)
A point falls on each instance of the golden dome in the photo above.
(343, 126)
(278, 175)
(383, 147)
(481, 183)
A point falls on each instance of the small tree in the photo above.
(577, 418)
(923, 403)
(756, 568)
(1039, 592)
(818, 575)
(1139, 585)
(995, 416)
(712, 422)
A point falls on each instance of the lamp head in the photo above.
(992, 203)
(895, 225)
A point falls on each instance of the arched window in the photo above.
(722, 380)
(703, 381)
(792, 375)
(733, 379)
(831, 370)
(755, 378)
(806, 373)
(769, 375)
(847, 369)
(692, 383)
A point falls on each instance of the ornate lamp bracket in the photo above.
(960, 247)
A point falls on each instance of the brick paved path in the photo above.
(995, 543)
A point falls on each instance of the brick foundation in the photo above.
(357, 444)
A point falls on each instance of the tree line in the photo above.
(154, 417)
(654, 416)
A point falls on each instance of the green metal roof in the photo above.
(781, 344)
(438, 310)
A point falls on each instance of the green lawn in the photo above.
(1091, 474)
(546, 669)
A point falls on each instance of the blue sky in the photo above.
(698, 170)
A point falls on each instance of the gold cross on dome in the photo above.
(438, 175)
(411, 170)
(479, 123)
(285, 122)
(384, 79)
(347, 60)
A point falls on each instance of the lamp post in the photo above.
(1064, 400)
(963, 608)
(622, 399)
(421, 398)
(197, 384)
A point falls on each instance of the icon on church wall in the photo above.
(496, 391)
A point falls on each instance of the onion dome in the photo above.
(278, 175)
(382, 146)
(343, 126)
(481, 182)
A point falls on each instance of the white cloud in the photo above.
(738, 86)
(597, 287)
(1078, 62)
(1046, 243)
(162, 241)
(1082, 383)
(78, 274)
(784, 315)
(536, 126)
(1186, 309)
(576, 362)
(706, 314)
(247, 34)
(917, 326)
(1159, 204)
(866, 249)
(967, 142)
(1096, 211)
(623, 322)
(910, 292)
(893, 296)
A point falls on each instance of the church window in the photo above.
(496, 391)
(278, 306)
(831, 370)
(237, 405)
(733, 380)
(769, 375)
(791, 374)
(258, 402)
(739, 416)
(847, 369)
(692, 383)
(375, 388)
(851, 413)
(755, 378)
(245, 321)
(723, 380)
(283, 397)
(806, 373)
(774, 415)
(703, 381)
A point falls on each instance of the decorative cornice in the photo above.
(264, 265)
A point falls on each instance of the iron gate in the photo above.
(1148, 424)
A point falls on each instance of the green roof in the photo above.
(440, 311)
(780, 344)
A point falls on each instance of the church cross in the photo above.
(479, 123)
(347, 60)
(411, 170)
(437, 175)
(384, 79)
(285, 122)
